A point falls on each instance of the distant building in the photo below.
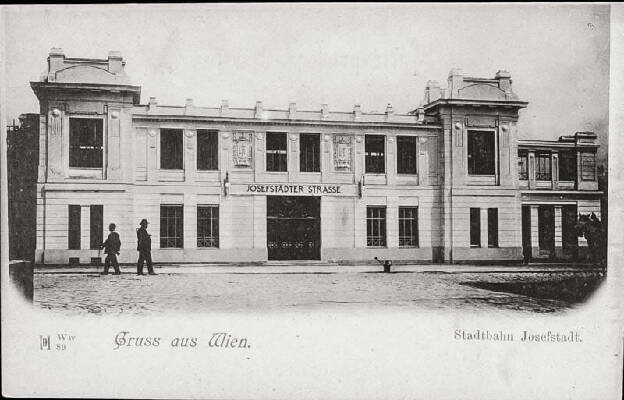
(22, 147)
(449, 181)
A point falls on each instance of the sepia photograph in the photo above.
(311, 200)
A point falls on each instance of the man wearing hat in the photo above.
(144, 247)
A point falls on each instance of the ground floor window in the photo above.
(208, 226)
(171, 226)
(492, 227)
(475, 227)
(96, 226)
(376, 226)
(408, 226)
(73, 228)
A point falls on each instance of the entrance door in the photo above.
(294, 227)
(526, 234)
(546, 227)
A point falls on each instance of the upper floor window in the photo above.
(276, 152)
(567, 165)
(86, 143)
(310, 154)
(375, 155)
(207, 150)
(523, 165)
(543, 166)
(481, 153)
(406, 155)
(171, 149)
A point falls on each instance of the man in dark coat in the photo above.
(111, 248)
(144, 247)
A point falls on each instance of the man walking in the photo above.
(111, 249)
(144, 247)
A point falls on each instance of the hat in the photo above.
(144, 221)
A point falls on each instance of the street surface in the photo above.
(233, 289)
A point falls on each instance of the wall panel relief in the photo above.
(343, 153)
(242, 149)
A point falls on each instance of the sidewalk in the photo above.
(321, 268)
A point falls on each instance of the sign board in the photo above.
(279, 189)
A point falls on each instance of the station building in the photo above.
(449, 181)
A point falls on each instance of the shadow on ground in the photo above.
(573, 290)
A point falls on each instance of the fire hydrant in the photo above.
(386, 264)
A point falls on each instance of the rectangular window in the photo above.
(96, 226)
(543, 166)
(408, 226)
(567, 165)
(406, 155)
(523, 165)
(375, 154)
(276, 152)
(171, 226)
(492, 227)
(207, 226)
(376, 226)
(207, 150)
(481, 153)
(86, 143)
(588, 167)
(310, 154)
(73, 228)
(475, 227)
(546, 227)
(171, 149)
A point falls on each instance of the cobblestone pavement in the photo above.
(79, 293)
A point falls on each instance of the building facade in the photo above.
(446, 182)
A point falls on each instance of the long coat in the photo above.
(112, 243)
(144, 240)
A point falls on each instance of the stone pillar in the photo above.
(558, 232)
(484, 227)
(391, 166)
(360, 223)
(534, 231)
(423, 162)
(152, 154)
(392, 222)
(260, 222)
(555, 172)
(85, 228)
(292, 159)
(531, 169)
(190, 221)
(113, 164)
(190, 163)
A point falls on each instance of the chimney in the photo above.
(114, 62)
(324, 110)
(188, 106)
(56, 59)
(357, 112)
(225, 107)
(432, 91)
(152, 103)
(389, 110)
(292, 111)
(455, 82)
(504, 80)
(259, 110)
(420, 114)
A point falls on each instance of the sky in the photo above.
(339, 54)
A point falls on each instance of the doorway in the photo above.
(294, 227)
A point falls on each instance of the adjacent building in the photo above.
(447, 182)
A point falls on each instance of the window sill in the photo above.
(475, 246)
